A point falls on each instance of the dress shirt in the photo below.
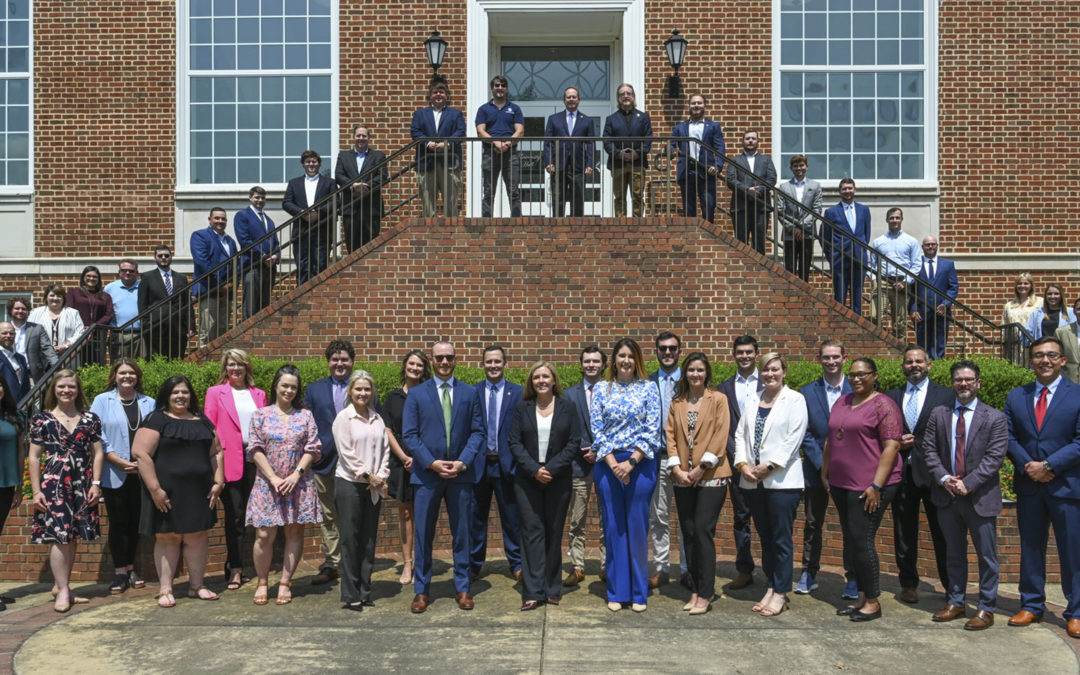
(362, 445)
(930, 267)
(224, 243)
(10, 356)
(667, 383)
(917, 390)
(750, 161)
(849, 213)
(311, 186)
(1049, 394)
(437, 114)
(571, 120)
(125, 301)
(543, 434)
(800, 186)
(952, 431)
(439, 387)
(167, 279)
(20, 338)
(744, 386)
(832, 394)
(625, 417)
(696, 130)
(901, 248)
(493, 389)
(360, 158)
(340, 390)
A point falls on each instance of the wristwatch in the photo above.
(1047, 467)
(633, 462)
(300, 470)
(96, 482)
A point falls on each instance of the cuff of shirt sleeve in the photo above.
(943, 479)
(710, 460)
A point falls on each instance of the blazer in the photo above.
(511, 395)
(1070, 346)
(208, 253)
(576, 155)
(789, 213)
(711, 152)
(40, 355)
(425, 434)
(1057, 442)
(451, 125)
(577, 395)
(780, 440)
(220, 408)
(634, 123)
(925, 298)
(817, 429)
(18, 386)
(984, 452)
(69, 323)
(248, 231)
(741, 181)
(727, 388)
(915, 457)
(295, 200)
(837, 244)
(563, 441)
(1034, 325)
(319, 399)
(710, 436)
(375, 174)
(152, 290)
(115, 437)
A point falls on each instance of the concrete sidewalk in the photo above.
(314, 634)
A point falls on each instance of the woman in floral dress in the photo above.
(67, 491)
(283, 442)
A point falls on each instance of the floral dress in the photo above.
(284, 443)
(66, 479)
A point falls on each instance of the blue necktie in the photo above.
(493, 421)
(911, 410)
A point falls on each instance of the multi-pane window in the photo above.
(259, 88)
(15, 118)
(852, 85)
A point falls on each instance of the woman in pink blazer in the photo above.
(229, 405)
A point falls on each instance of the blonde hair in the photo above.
(769, 357)
(529, 392)
(241, 357)
(356, 376)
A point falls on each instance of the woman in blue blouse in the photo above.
(625, 420)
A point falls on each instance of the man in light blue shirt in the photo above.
(899, 252)
(668, 351)
(125, 296)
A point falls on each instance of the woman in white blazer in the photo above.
(767, 443)
(62, 323)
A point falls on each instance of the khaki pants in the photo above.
(438, 179)
(324, 485)
(632, 177)
(897, 302)
(660, 522)
(580, 491)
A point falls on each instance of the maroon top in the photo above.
(94, 309)
(855, 440)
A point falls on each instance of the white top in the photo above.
(245, 408)
(543, 434)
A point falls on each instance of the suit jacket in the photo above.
(632, 124)
(179, 310)
(40, 354)
(727, 388)
(1057, 442)
(220, 409)
(511, 394)
(1070, 346)
(375, 174)
(575, 155)
(711, 152)
(710, 435)
(451, 125)
(915, 457)
(208, 253)
(295, 200)
(741, 181)
(781, 440)
(18, 386)
(425, 434)
(984, 451)
(248, 231)
(577, 395)
(563, 440)
(791, 216)
(817, 430)
(926, 299)
(319, 399)
(114, 431)
(837, 244)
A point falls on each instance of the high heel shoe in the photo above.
(698, 611)
(688, 606)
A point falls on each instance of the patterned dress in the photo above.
(284, 444)
(66, 479)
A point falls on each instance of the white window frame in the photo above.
(26, 190)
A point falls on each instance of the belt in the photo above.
(491, 459)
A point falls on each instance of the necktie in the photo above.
(911, 410)
(447, 408)
(339, 397)
(930, 269)
(849, 211)
(959, 467)
(570, 123)
(1040, 408)
(168, 282)
(493, 421)
(590, 398)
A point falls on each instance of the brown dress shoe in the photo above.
(741, 580)
(1073, 628)
(419, 604)
(981, 621)
(575, 577)
(517, 575)
(949, 612)
(603, 574)
(464, 600)
(657, 580)
(909, 595)
(1024, 618)
(325, 576)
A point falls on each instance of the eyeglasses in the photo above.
(163, 255)
(443, 357)
(126, 271)
(667, 349)
(862, 375)
(1049, 356)
(965, 380)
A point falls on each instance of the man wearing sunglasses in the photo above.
(668, 351)
(169, 326)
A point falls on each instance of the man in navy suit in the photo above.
(364, 169)
(736, 388)
(501, 121)
(569, 163)
(438, 163)
(443, 429)
(1044, 445)
(313, 232)
(498, 398)
(13, 366)
(213, 285)
(627, 160)
(820, 395)
(698, 163)
(251, 225)
(964, 448)
(850, 221)
(593, 360)
(930, 310)
(750, 200)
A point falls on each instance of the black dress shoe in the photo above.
(862, 616)
(7, 599)
(354, 608)
(367, 603)
(846, 611)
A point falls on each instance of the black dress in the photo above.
(398, 485)
(182, 463)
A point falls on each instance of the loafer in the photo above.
(575, 577)
(1024, 618)
(741, 580)
(464, 600)
(863, 616)
(529, 605)
(554, 601)
(846, 611)
(806, 584)
(1072, 628)
(851, 591)
(981, 621)
(658, 580)
(325, 576)
(949, 612)
(909, 595)
(419, 604)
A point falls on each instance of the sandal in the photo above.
(119, 584)
(769, 611)
(262, 594)
(75, 599)
(134, 580)
(165, 598)
(197, 593)
(406, 573)
(288, 598)
(235, 583)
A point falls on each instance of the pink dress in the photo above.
(855, 437)
(284, 444)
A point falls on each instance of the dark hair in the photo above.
(216, 209)
(639, 361)
(798, 158)
(162, 247)
(426, 375)
(870, 363)
(845, 181)
(594, 349)
(1061, 291)
(50, 392)
(124, 361)
(912, 347)
(55, 287)
(82, 280)
(495, 348)
(308, 154)
(1043, 340)
(744, 340)
(894, 210)
(961, 365)
(682, 387)
(166, 390)
(699, 95)
(288, 369)
(257, 190)
(438, 82)
(667, 335)
(529, 393)
(498, 79)
(9, 408)
(336, 346)
(19, 298)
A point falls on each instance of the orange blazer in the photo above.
(711, 434)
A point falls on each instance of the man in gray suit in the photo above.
(593, 360)
(799, 226)
(965, 446)
(750, 203)
(31, 339)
